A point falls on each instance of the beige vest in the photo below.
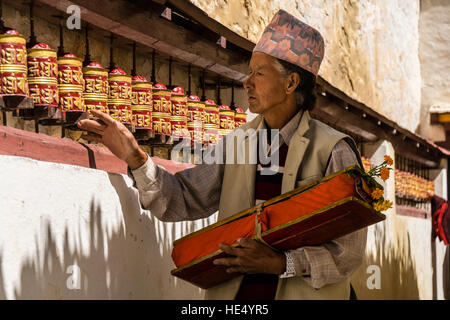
(308, 153)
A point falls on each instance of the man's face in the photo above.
(264, 84)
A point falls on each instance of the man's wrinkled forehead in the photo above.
(260, 61)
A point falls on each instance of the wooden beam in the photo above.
(199, 15)
(149, 29)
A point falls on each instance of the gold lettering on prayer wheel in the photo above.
(226, 116)
(196, 131)
(211, 113)
(179, 102)
(70, 83)
(13, 64)
(141, 102)
(119, 96)
(179, 127)
(43, 75)
(240, 118)
(95, 88)
(196, 109)
(162, 99)
(161, 123)
(210, 134)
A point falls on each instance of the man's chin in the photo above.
(253, 108)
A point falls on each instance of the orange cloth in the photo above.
(320, 196)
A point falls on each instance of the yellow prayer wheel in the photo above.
(196, 109)
(70, 83)
(161, 123)
(179, 127)
(179, 102)
(119, 96)
(95, 88)
(240, 118)
(43, 75)
(212, 113)
(13, 64)
(210, 134)
(195, 131)
(141, 102)
(162, 99)
(226, 116)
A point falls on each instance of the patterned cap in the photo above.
(291, 40)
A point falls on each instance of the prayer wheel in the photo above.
(119, 96)
(179, 127)
(196, 110)
(161, 123)
(226, 116)
(240, 118)
(43, 75)
(210, 134)
(179, 102)
(95, 87)
(162, 99)
(195, 129)
(70, 83)
(179, 118)
(13, 64)
(141, 102)
(212, 113)
(223, 132)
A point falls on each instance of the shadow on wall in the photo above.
(397, 272)
(121, 263)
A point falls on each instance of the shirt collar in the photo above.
(288, 129)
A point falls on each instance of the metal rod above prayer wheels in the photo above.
(153, 78)
(61, 38)
(232, 104)
(203, 85)
(189, 80)
(112, 65)
(170, 73)
(219, 100)
(2, 23)
(133, 69)
(87, 55)
(32, 41)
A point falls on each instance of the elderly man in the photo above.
(280, 88)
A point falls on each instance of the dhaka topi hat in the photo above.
(289, 39)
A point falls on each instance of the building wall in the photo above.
(56, 216)
(434, 27)
(371, 47)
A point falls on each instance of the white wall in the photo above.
(53, 216)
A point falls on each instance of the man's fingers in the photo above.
(228, 262)
(91, 125)
(247, 243)
(230, 250)
(91, 137)
(106, 118)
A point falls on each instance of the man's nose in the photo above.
(248, 82)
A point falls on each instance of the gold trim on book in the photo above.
(266, 203)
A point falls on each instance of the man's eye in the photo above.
(259, 73)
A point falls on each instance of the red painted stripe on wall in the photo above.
(16, 142)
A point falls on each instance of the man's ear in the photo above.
(292, 82)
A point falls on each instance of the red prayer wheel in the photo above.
(210, 134)
(240, 118)
(70, 83)
(196, 110)
(212, 113)
(161, 123)
(226, 116)
(179, 102)
(161, 99)
(43, 75)
(119, 96)
(141, 102)
(13, 64)
(179, 127)
(195, 131)
(95, 87)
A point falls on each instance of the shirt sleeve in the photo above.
(186, 195)
(336, 260)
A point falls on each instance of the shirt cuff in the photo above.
(290, 267)
(146, 174)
